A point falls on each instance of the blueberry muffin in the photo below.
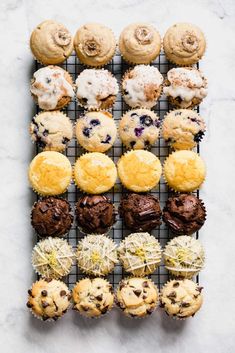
(96, 89)
(52, 88)
(182, 129)
(48, 299)
(137, 297)
(92, 297)
(51, 131)
(139, 128)
(96, 131)
(142, 86)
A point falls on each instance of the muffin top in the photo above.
(93, 297)
(51, 131)
(142, 86)
(96, 131)
(140, 43)
(184, 214)
(95, 173)
(52, 258)
(95, 214)
(50, 173)
(182, 129)
(52, 87)
(94, 44)
(184, 44)
(48, 299)
(139, 170)
(184, 85)
(139, 128)
(51, 216)
(96, 255)
(51, 42)
(140, 254)
(140, 212)
(181, 298)
(96, 89)
(184, 256)
(137, 297)
(184, 171)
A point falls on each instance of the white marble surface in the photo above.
(212, 330)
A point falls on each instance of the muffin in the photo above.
(51, 131)
(52, 258)
(142, 86)
(139, 129)
(184, 256)
(93, 297)
(140, 254)
(140, 212)
(52, 88)
(96, 131)
(139, 43)
(184, 44)
(184, 214)
(137, 297)
(95, 214)
(51, 216)
(95, 173)
(139, 170)
(94, 44)
(181, 298)
(48, 299)
(182, 129)
(51, 42)
(184, 171)
(50, 173)
(96, 89)
(97, 255)
(185, 87)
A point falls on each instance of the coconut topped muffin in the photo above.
(139, 43)
(184, 44)
(51, 42)
(94, 44)
(185, 87)
(96, 89)
(52, 87)
(142, 86)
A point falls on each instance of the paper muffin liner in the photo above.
(157, 304)
(94, 317)
(42, 276)
(50, 319)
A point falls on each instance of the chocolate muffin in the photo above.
(140, 212)
(95, 214)
(51, 216)
(184, 214)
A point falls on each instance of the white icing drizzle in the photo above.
(186, 84)
(95, 85)
(49, 86)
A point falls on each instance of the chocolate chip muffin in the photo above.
(48, 299)
(51, 216)
(184, 214)
(181, 299)
(140, 212)
(93, 297)
(137, 297)
(95, 214)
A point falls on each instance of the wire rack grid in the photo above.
(160, 149)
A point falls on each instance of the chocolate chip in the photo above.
(86, 132)
(30, 292)
(95, 122)
(199, 136)
(44, 317)
(98, 305)
(29, 305)
(199, 289)
(145, 284)
(107, 139)
(157, 123)
(62, 293)
(177, 113)
(83, 100)
(144, 296)
(64, 311)
(185, 305)
(179, 99)
(55, 318)
(176, 284)
(65, 140)
(85, 308)
(99, 297)
(138, 131)
(171, 295)
(104, 310)
(132, 143)
(146, 120)
(44, 293)
(146, 143)
(150, 311)
(48, 80)
(43, 208)
(48, 280)
(137, 292)
(44, 304)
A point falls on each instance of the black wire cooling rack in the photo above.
(161, 150)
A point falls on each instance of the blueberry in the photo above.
(95, 122)
(146, 143)
(48, 80)
(199, 136)
(45, 132)
(157, 123)
(107, 139)
(65, 140)
(86, 131)
(146, 120)
(177, 113)
(138, 131)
